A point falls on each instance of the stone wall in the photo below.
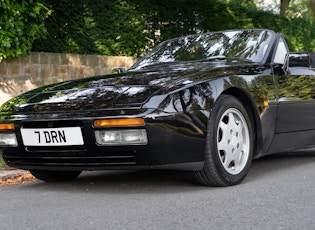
(37, 69)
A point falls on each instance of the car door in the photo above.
(296, 108)
(296, 98)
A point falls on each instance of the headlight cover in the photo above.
(121, 137)
(8, 140)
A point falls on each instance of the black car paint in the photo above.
(176, 101)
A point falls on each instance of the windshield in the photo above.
(248, 45)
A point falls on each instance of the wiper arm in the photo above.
(228, 59)
(238, 59)
(213, 58)
(154, 64)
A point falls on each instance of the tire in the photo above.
(229, 144)
(55, 176)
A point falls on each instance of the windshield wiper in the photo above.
(213, 58)
(154, 64)
(238, 59)
(222, 58)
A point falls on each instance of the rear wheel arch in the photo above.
(249, 104)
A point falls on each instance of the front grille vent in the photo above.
(70, 159)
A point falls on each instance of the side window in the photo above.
(281, 52)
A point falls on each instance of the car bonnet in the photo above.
(131, 89)
(108, 92)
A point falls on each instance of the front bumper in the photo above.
(168, 145)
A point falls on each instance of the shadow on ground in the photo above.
(157, 181)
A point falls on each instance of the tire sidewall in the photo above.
(213, 156)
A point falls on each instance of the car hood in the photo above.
(128, 90)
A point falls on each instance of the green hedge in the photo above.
(132, 27)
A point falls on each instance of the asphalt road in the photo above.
(278, 193)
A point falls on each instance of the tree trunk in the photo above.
(285, 6)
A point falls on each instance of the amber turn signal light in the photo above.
(266, 103)
(119, 122)
(7, 126)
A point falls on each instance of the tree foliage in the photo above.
(21, 22)
(132, 27)
(94, 27)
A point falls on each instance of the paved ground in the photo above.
(278, 193)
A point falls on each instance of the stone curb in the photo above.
(10, 174)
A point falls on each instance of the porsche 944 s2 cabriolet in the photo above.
(207, 103)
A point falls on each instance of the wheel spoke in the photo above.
(238, 158)
(237, 124)
(222, 145)
(228, 160)
(223, 126)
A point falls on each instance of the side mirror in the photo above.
(301, 59)
(119, 70)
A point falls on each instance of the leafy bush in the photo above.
(21, 22)
(113, 27)
(132, 27)
(2, 164)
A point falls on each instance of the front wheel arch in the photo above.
(250, 106)
(230, 144)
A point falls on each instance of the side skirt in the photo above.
(284, 142)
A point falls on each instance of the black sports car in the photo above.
(207, 103)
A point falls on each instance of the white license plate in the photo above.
(52, 136)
